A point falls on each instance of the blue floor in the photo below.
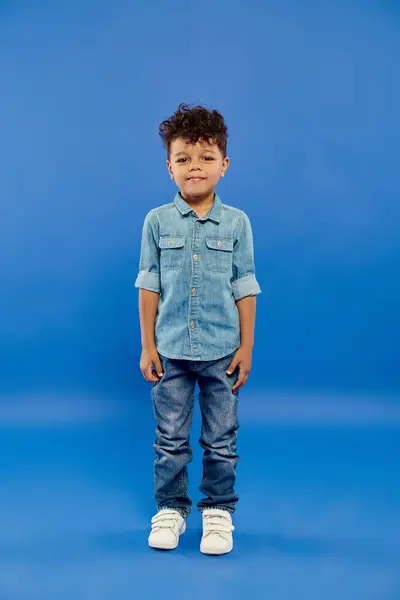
(319, 516)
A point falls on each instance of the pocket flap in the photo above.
(171, 241)
(219, 243)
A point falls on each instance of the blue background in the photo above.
(310, 92)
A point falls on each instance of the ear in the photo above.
(169, 167)
(225, 164)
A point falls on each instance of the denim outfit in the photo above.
(200, 267)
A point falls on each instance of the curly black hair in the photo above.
(194, 123)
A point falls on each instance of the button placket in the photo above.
(193, 290)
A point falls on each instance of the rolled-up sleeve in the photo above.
(244, 282)
(148, 277)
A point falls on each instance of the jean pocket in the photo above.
(219, 254)
(172, 249)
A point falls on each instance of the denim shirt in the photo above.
(200, 267)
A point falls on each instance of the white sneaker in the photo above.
(167, 526)
(217, 531)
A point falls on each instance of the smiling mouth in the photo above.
(196, 178)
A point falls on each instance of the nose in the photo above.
(194, 167)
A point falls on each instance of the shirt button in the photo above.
(219, 243)
(194, 291)
(171, 241)
(195, 256)
(192, 324)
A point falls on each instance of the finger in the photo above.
(232, 367)
(150, 375)
(157, 371)
(158, 366)
(240, 386)
(243, 376)
(239, 382)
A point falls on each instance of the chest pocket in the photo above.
(172, 251)
(219, 254)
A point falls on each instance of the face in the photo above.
(196, 168)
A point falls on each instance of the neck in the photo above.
(206, 200)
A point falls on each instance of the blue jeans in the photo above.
(173, 404)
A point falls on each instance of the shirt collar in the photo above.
(185, 209)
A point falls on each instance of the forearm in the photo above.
(247, 316)
(148, 306)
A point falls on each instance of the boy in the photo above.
(197, 310)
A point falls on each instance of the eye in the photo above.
(208, 158)
(181, 160)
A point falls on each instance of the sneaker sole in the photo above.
(215, 551)
(169, 546)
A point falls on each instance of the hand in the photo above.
(242, 359)
(149, 359)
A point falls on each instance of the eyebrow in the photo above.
(183, 152)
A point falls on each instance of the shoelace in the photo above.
(217, 525)
(165, 519)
